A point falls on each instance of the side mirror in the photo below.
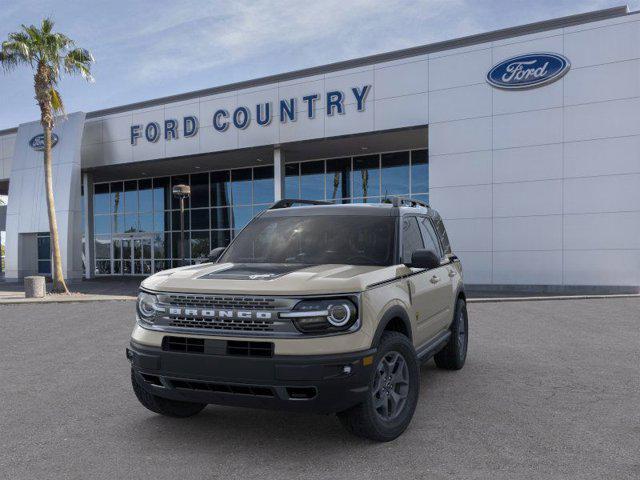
(424, 259)
(214, 254)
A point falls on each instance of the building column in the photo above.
(3, 227)
(278, 174)
(87, 207)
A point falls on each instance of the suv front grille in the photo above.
(225, 313)
(220, 302)
(226, 324)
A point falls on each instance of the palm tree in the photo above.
(47, 53)
(365, 183)
(336, 184)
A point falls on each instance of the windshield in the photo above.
(316, 240)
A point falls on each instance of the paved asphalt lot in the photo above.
(551, 389)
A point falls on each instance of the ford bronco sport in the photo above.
(317, 307)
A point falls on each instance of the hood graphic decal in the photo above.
(254, 271)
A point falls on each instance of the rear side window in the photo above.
(411, 238)
(441, 232)
(430, 239)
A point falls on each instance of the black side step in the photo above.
(432, 347)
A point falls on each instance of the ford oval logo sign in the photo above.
(528, 71)
(37, 142)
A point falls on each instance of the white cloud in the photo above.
(152, 48)
(242, 31)
(197, 37)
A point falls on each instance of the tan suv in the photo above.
(315, 307)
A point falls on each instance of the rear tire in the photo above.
(164, 406)
(393, 395)
(454, 354)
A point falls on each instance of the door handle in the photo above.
(452, 273)
(434, 279)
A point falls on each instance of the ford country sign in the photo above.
(37, 142)
(283, 110)
(528, 71)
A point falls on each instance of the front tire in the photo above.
(454, 354)
(393, 396)
(164, 406)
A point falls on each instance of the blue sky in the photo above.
(149, 49)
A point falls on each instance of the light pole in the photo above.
(181, 192)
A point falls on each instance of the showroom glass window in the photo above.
(44, 253)
(137, 222)
(363, 178)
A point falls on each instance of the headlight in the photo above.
(323, 316)
(339, 314)
(146, 306)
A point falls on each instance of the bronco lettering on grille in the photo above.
(217, 313)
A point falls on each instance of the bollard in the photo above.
(34, 287)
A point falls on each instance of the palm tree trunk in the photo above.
(336, 184)
(365, 183)
(59, 285)
(42, 85)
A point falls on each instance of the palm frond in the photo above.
(18, 47)
(56, 101)
(20, 38)
(47, 25)
(34, 34)
(9, 59)
(56, 45)
(47, 52)
(79, 60)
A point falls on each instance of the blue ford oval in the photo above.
(528, 71)
(37, 142)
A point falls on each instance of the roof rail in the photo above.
(398, 201)
(290, 202)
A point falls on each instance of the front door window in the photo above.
(411, 238)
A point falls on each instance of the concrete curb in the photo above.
(548, 298)
(70, 299)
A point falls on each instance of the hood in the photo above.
(268, 278)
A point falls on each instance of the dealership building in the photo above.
(526, 140)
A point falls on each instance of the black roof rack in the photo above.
(290, 202)
(398, 201)
(395, 201)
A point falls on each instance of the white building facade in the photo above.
(534, 164)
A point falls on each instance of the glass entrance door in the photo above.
(142, 256)
(133, 254)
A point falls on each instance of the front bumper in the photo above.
(318, 383)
